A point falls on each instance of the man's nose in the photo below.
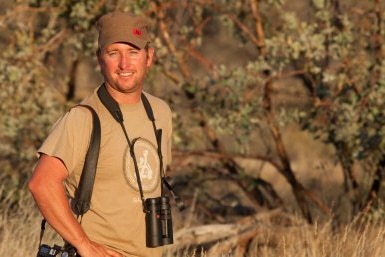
(125, 61)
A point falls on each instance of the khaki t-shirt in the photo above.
(116, 218)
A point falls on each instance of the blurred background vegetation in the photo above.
(277, 104)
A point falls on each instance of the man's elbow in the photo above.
(34, 185)
(49, 172)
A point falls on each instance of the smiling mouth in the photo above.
(125, 74)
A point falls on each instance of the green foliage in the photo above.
(337, 57)
(26, 105)
(44, 35)
(350, 112)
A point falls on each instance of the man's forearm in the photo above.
(47, 188)
(54, 206)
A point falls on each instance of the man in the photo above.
(115, 223)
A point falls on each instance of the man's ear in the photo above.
(150, 56)
(98, 53)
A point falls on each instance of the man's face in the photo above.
(124, 66)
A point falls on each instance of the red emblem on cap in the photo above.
(137, 32)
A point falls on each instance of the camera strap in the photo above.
(114, 109)
(81, 202)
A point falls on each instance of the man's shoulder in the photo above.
(157, 103)
(92, 99)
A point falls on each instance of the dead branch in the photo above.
(258, 27)
(158, 10)
(183, 157)
(247, 184)
(235, 236)
(238, 242)
(245, 30)
(99, 5)
(300, 192)
(53, 42)
(191, 209)
(199, 57)
(205, 234)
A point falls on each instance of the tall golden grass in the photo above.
(20, 227)
(20, 230)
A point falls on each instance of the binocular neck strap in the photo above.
(114, 109)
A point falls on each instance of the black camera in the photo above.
(46, 251)
(158, 222)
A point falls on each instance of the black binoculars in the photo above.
(158, 222)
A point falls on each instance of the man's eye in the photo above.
(112, 53)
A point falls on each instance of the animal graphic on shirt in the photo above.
(145, 170)
(147, 159)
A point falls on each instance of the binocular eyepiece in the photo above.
(158, 222)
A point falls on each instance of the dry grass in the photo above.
(20, 228)
(292, 237)
(321, 240)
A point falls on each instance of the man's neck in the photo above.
(124, 97)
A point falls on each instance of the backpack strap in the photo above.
(81, 203)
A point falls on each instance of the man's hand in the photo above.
(92, 249)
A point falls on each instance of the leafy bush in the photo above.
(333, 56)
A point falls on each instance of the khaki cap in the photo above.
(122, 27)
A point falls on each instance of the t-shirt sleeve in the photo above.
(69, 138)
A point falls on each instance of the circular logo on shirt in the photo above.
(147, 161)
